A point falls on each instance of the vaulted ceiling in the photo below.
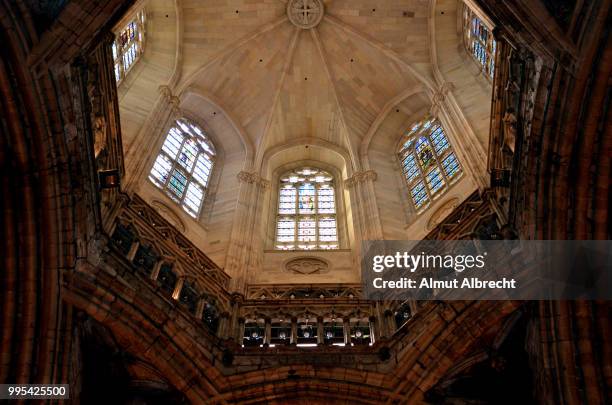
(283, 82)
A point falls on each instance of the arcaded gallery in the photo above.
(200, 201)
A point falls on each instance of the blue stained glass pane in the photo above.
(451, 165)
(435, 181)
(439, 140)
(177, 184)
(411, 170)
(419, 195)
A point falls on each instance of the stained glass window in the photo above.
(306, 211)
(478, 39)
(428, 162)
(182, 168)
(129, 45)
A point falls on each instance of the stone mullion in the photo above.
(176, 294)
(294, 335)
(373, 329)
(267, 331)
(320, 334)
(346, 329)
(239, 336)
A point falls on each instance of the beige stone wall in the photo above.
(471, 89)
(138, 92)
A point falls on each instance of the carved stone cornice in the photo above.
(253, 178)
(173, 101)
(361, 177)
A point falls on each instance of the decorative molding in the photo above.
(307, 265)
(361, 177)
(253, 178)
(305, 14)
(314, 292)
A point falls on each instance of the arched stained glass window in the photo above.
(129, 45)
(184, 165)
(306, 211)
(478, 38)
(428, 161)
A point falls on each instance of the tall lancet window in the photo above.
(306, 211)
(184, 165)
(428, 161)
(129, 45)
(479, 41)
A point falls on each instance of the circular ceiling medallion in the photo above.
(305, 13)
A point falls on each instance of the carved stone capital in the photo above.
(361, 177)
(173, 101)
(253, 178)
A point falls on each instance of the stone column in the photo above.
(178, 287)
(373, 331)
(320, 336)
(252, 189)
(294, 335)
(240, 331)
(222, 330)
(267, 331)
(363, 199)
(346, 327)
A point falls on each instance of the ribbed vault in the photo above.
(282, 82)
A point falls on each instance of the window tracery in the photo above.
(306, 211)
(479, 41)
(129, 45)
(184, 165)
(429, 164)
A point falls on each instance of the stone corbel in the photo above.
(361, 177)
(253, 178)
(171, 100)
